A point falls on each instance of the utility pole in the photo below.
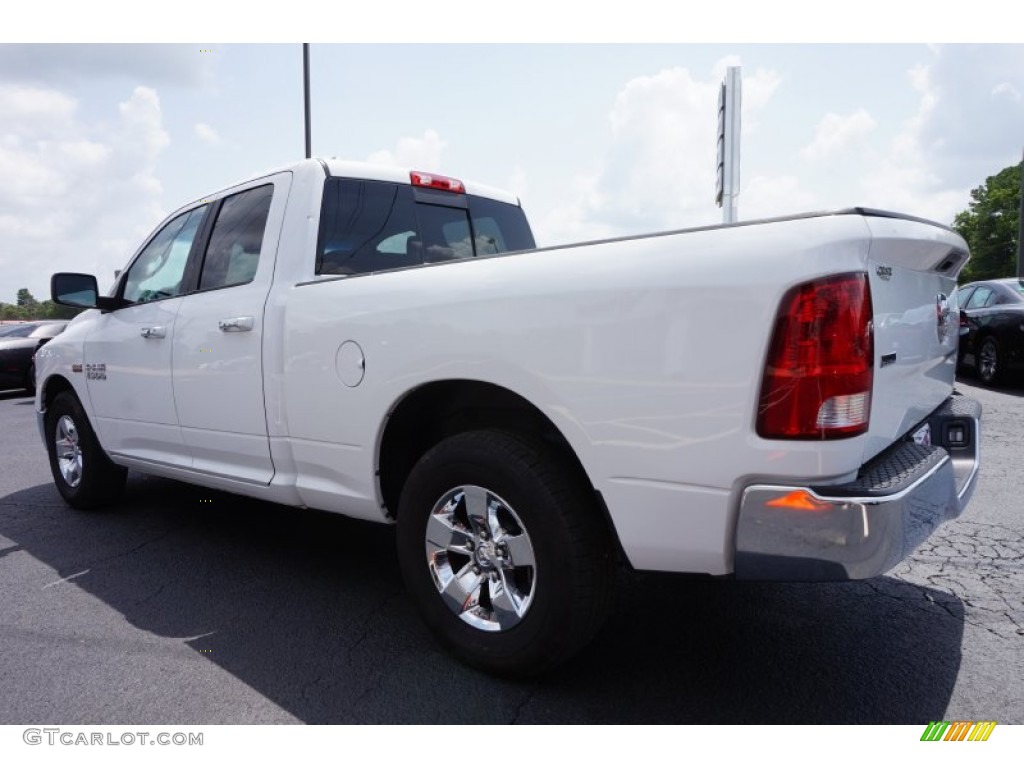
(305, 83)
(727, 182)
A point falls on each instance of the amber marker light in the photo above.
(801, 500)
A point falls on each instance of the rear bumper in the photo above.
(864, 528)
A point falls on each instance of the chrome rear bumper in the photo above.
(864, 528)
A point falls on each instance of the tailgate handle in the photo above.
(236, 324)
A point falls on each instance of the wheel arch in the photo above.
(431, 412)
(52, 387)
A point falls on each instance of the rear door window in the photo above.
(237, 238)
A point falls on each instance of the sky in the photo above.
(99, 141)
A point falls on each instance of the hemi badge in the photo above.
(76, 367)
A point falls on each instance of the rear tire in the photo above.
(509, 563)
(988, 361)
(84, 475)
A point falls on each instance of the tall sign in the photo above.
(305, 93)
(727, 181)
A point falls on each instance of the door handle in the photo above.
(236, 324)
(154, 332)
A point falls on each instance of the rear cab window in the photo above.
(372, 226)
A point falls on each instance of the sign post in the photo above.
(727, 182)
(305, 91)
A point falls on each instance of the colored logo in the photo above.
(958, 730)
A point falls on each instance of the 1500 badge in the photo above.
(96, 371)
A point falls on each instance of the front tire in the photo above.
(84, 475)
(501, 547)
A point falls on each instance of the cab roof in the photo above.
(333, 166)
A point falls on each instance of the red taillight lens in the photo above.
(433, 181)
(817, 379)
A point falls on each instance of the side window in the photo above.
(158, 270)
(366, 226)
(234, 250)
(980, 298)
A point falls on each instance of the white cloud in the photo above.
(837, 132)
(658, 171)
(142, 119)
(207, 134)
(963, 132)
(19, 102)
(77, 196)
(518, 182)
(966, 127)
(410, 152)
(1006, 90)
(767, 196)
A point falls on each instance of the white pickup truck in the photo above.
(768, 400)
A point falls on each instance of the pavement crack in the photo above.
(527, 700)
(139, 546)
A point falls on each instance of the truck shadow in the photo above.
(308, 610)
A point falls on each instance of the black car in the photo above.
(18, 345)
(992, 312)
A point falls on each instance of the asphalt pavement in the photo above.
(189, 606)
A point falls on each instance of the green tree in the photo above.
(990, 226)
(26, 300)
(48, 310)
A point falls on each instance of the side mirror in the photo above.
(76, 290)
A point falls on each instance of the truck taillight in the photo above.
(820, 366)
(433, 181)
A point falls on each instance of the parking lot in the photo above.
(190, 606)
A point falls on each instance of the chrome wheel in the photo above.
(988, 361)
(480, 558)
(68, 451)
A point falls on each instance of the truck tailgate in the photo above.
(912, 269)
